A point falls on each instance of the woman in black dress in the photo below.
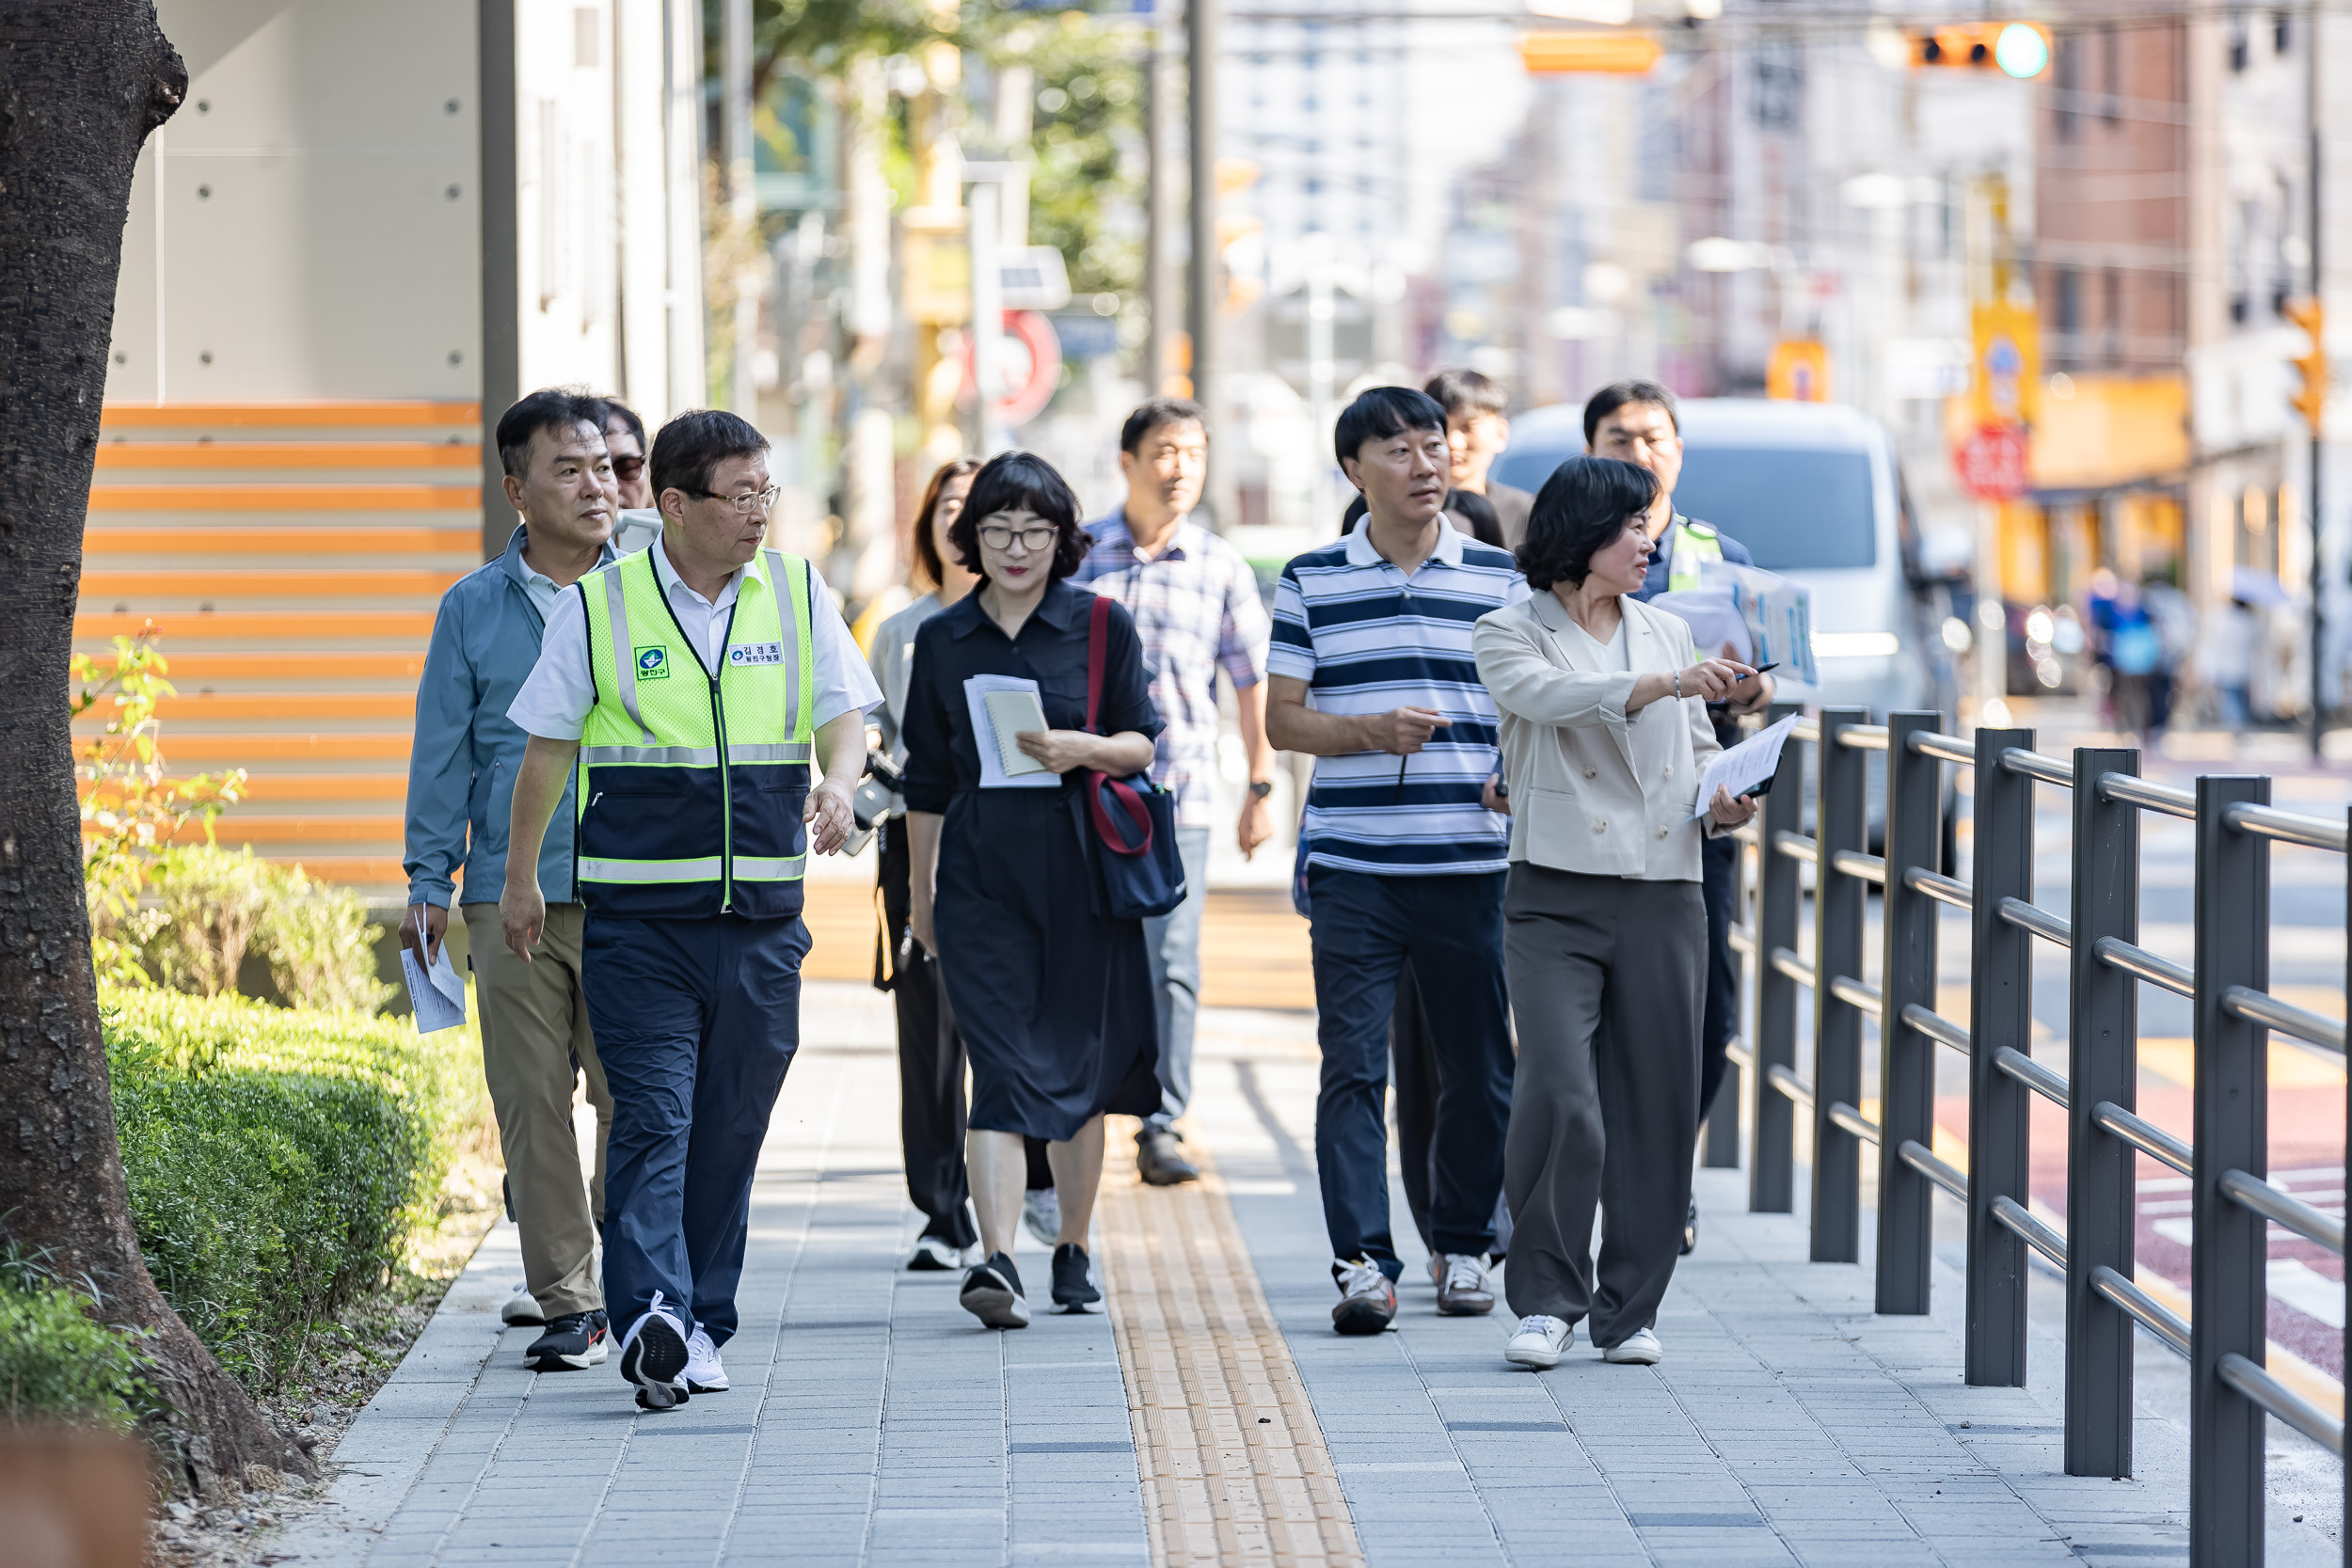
(1053, 996)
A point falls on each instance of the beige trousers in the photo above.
(535, 1021)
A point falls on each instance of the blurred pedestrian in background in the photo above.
(1052, 995)
(930, 1053)
(1196, 606)
(1405, 856)
(1605, 733)
(2225, 657)
(1476, 433)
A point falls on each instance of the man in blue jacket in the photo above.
(461, 778)
(1635, 421)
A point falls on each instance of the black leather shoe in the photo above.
(1160, 1158)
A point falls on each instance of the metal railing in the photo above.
(2224, 1337)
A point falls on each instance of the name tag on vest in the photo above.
(756, 653)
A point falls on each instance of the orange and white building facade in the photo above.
(333, 281)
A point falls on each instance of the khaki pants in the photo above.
(535, 1021)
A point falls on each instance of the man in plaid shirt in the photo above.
(1195, 604)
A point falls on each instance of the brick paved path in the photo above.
(872, 1423)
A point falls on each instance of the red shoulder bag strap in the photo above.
(1098, 631)
(1132, 835)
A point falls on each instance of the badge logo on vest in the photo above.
(756, 653)
(653, 664)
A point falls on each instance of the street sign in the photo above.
(1027, 362)
(2006, 387)
(1798, 372)
(1032, 277)
(1991, 462)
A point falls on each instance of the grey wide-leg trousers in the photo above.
(1608, 982)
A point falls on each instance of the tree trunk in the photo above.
(82, 85)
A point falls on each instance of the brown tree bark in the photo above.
(83, 83)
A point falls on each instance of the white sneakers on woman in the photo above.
(1540, 1342)
(1543, 1339)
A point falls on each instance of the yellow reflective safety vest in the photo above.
(1693, 544)
(691, 780)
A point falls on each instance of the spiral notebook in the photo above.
(1004, 706)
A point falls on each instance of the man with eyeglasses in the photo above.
(715, 706)
(534, 1020)
(640, 522)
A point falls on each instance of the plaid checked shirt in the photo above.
(1196, 608)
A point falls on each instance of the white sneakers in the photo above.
(653, 1356)
(1040, 1211)
(1540, 1342)
(521, 1308)
(705, 1373)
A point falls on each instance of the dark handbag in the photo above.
(1135, 820)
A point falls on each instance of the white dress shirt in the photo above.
(555, 700)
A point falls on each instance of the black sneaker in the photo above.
(1074, 1280)
(654, 1359)
(1691, 1229)
(992, 1292)
(574, 1342)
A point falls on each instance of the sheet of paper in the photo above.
(1779, 616)
(1012, 714)
(437, 994)
(1714, 619)
(992, 773)
(1747, 765)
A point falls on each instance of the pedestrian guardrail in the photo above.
(2223, 1338)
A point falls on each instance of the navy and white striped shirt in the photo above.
(1366, 637)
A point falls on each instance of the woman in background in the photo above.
(930, 1056)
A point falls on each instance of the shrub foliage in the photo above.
(277, 1160)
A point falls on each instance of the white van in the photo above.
(1815, 493)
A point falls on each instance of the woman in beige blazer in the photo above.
(1604, 733)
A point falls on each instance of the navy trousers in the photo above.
(703, 1017)
(1365, 931)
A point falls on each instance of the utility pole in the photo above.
(2319, 419)
(735, 129)
(1200, 106)
(987, 181)
(1159, 279)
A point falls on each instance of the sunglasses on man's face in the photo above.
(628, 468)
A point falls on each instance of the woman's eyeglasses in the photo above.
(997, 536)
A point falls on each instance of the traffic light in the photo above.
(2019, 48)
(2310, 399)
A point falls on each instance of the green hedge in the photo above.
(279, 1159)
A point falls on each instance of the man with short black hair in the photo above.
(1476, 431)
(1404, 859)
(534, 1016)
(1636, 421)
(1195, 603)
(699, 685)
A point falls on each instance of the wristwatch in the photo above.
(1260, 788)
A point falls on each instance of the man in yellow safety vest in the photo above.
(715, 706)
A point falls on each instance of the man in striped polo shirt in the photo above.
(1370, 673)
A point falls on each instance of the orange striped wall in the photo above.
(292, 556)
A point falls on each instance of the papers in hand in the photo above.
(1751, 763)
(1778, 614)
(1004, 706)
(1715, 620)
(437, 994)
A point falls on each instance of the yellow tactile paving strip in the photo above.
(1235, 1468)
